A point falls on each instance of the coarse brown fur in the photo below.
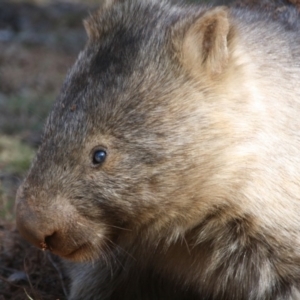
(198, 111)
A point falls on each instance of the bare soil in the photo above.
(27, 272)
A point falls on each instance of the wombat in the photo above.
(170, 163)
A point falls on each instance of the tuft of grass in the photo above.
(28, 114)
(15, 157)
(6, 205)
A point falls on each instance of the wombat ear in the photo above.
(205, 43)
(91, 28)
(91, 23)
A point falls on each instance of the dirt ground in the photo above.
(27, 272)
(39, 41)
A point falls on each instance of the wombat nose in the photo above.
(51, 225)
(30, 226)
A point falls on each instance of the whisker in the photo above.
(186, 243)
(125, 229)
(119, 248)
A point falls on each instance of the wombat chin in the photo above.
(84, 253)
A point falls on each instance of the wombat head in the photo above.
(125, 147)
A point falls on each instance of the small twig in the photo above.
(27, 295)
(8, 269)
(61, 277)
(28, 278)
(10, 283)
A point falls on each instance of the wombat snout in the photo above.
(29, 225)
(53, 228)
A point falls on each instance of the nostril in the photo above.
(32, 225)
(45, 227)
(46, 245)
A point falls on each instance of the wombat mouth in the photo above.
(76, 252)
(79, 254)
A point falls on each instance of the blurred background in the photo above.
(39, 41)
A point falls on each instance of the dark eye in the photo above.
(99, 157)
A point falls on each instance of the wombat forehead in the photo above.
(104, 86)
(90, 93)
(134, 14)
(113, 74)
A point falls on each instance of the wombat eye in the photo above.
(99, 156)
